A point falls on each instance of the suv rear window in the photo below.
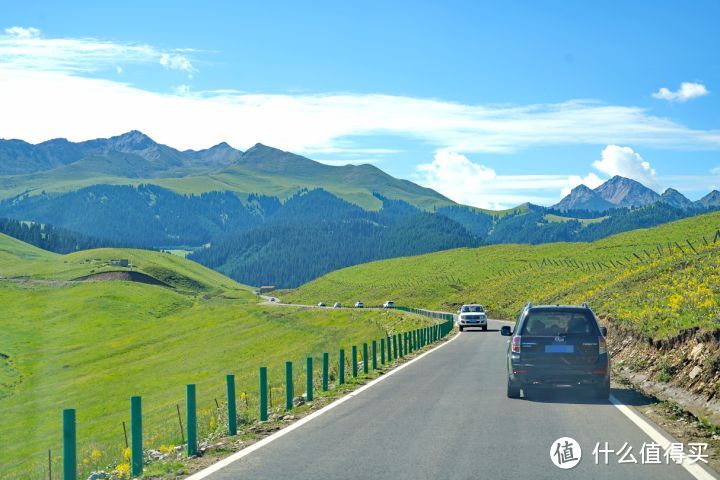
(554, 322)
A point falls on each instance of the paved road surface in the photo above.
(446, 416)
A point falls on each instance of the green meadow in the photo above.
(91, 345)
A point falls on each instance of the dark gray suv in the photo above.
(557, 346)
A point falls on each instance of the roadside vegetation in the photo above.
(91, 345)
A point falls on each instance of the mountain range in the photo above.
(266, 216)
(133, 158)
(621, 192)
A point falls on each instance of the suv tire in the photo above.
(602, 392)
(461, 328)
(513, 391)
(484, 327)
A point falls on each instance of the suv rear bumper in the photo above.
(556, 375)
(472, 323)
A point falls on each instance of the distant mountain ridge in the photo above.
(18, 157)
(266, 216)
(621, 192)
(133, 158)
(583, 198)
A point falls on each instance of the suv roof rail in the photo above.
(585, 304)
(528, 305)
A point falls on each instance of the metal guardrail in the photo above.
(392, 348)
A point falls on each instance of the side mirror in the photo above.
(505, 331)
(603, 331)
(458, 311)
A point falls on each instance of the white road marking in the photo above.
(694, 469)
(281, 433)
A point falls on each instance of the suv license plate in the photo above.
(558, 349)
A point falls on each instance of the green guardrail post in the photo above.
(395, 349)
(69, 444)
(382, 351)
(354, 361)
(136, 451)
(288, 386)
(309, 379)
(405, 342)
(325, 371)
(191, 420)
(389, 350)
(373, 347)
(263, 394)
(366, 360)
(232, 406)
(341, 366)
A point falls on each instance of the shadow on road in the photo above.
(478, 330)
(582, 396)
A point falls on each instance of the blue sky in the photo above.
(491, 103)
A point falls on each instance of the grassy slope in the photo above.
(13, 252)
(92, 345)
(659, 296)
(357, 188)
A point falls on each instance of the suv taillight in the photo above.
(602, 345)
(515, 344)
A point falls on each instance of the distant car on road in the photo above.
(321, 304)
(359, 305)
(273, 299)
(389, 304)
(337, 305)
(557, 346)
(472, 315)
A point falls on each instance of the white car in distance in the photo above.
(472, 315)
(389, 304)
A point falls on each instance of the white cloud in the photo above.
(687, 91)
(182, 89)
(22, 32)
(624, 161)
(455, 176)
(25, 48)
(176, 62)
(590, 180)
(39, 102)
(460, 179)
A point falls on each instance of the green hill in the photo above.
(651, 280)
(14, 253)
(91, 345)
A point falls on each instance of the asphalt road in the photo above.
(446, 416)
